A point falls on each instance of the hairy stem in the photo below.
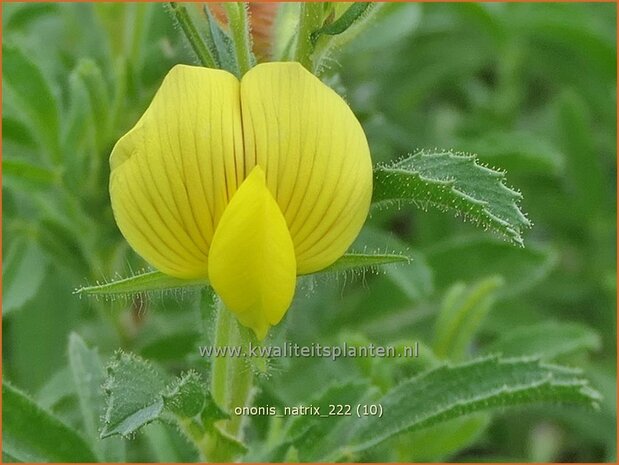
(239, 28)
(192, 35)
(310, 20)
(231, 376)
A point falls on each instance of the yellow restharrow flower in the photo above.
(247, 184)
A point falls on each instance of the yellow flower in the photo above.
(247, 184)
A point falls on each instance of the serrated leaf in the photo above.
(32, 434)
(133, 395)
(88, 376)
(546, 340)
(453, 182)
(452, 391)
(185, 397)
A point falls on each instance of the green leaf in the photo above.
(476, 257)
(88, 376)
(453, 182)
(56, 389)
(299, 427)
(15, 131)
(133, 395)
(25, 81)
(23, 271)
(185, 397)
(224, 441)
(23, 16)
(212, 412)
(547, 340)
(137, 395)
(170, 347)
(99, 96)
(144, 282)
(61, 242)
(586, 173)
(452, 391)
(522, 151)
(157, 281)
(79, 134)
(24, 174)
(463, 310)
(31, 434)
(158, 436)
(351, 261)
(309, 435)
(439, 442)
(415, 279)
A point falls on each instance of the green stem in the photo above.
(219, 372)
(192, 35)
(239, 28)
(231, 376)
(310, 20)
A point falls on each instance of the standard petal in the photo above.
(315, 156)
(252, 263)
(173, 174)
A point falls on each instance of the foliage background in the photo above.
(530, 88)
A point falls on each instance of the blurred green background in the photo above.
(529, 88)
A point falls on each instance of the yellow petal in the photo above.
(252, 263)
(315, 156)
(173, 174)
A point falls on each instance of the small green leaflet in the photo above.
(455, 182)
(137, 394)
(157, 281)
(133, 399)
